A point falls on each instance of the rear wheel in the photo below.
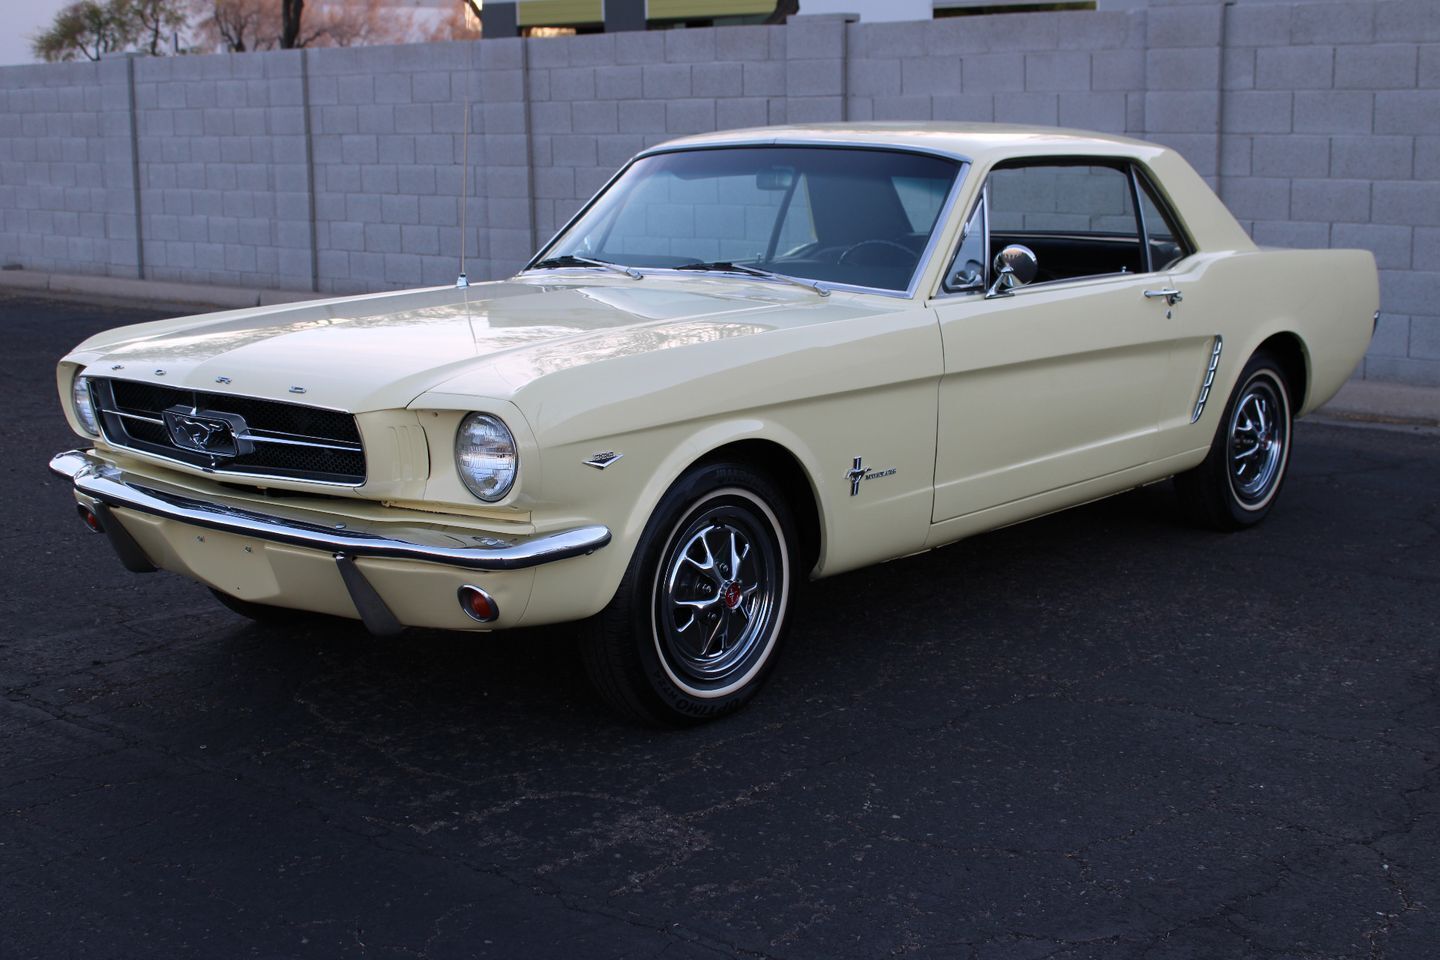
(696, 624)
(1240, 478)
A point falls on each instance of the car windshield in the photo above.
(837, 215)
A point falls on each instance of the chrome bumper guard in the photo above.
(110, 487)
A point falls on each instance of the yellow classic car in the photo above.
(755, 357)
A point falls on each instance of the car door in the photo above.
(1056, 382)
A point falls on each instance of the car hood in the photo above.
(383, 350)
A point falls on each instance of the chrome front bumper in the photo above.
(111, 488)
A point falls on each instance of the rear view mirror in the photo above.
(775, 178)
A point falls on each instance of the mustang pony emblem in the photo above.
(855, 474)
(859, 472)
(205, 431)
(199, 432)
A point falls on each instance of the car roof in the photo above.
(982, 143)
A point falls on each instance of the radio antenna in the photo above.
(462, 280)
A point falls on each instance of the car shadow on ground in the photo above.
(846, 633)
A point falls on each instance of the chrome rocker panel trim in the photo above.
(108, 485)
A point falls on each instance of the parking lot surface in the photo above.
(1100, 734)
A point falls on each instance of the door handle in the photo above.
(1171, 295)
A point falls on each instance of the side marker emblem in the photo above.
(602, 460)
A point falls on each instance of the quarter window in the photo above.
(967, 273)
(1167, 243)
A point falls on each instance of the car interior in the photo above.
(1079, 219)
(847, 216)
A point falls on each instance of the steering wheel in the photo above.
(891, 244)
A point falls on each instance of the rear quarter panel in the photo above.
(1326, 298)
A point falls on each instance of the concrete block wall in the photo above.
(1081, 70)
(597, 100)
(66, 168)
(1331, 115)
(341, 169)
(224, 189)
(387, 127)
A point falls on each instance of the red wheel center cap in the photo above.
(731, 595)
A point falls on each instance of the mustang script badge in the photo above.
(205, 431)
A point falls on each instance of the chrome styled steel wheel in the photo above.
(1259, 435)
(1236, 484)
(697, 621)
(716, 593)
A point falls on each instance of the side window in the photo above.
(1080, 220)
(1168, 245)
(967, 272)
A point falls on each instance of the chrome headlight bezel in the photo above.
(83, 403)
(487, 458)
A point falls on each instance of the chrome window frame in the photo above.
(922, 265)
(1145, 183)
(1131, 168)
(982, 203)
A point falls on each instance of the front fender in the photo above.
(625, 494)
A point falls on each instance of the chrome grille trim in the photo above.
(280, 440)
(132, 416)
(263, 438)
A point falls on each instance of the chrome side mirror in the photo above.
(1015, 266)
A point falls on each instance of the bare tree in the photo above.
(462, 22)
(152, 22)
(240, 25)
(356, 23)
(237, 26)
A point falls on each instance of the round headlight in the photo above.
(485, 456)
(84, 408)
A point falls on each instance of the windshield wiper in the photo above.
(725, 266)
(570, 260)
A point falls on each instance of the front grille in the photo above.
(275, 439)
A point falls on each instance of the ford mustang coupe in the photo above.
(754, 357)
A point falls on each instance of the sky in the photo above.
(19, 21)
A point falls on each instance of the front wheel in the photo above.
(695, 626)
(1237, 483)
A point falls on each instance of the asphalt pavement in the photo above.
(1099, 734)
